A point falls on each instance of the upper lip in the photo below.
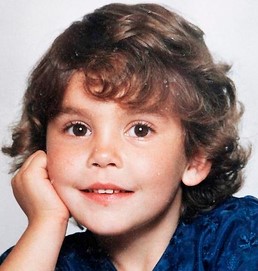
(106, 186)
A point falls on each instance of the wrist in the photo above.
(34, 246)
(47, 224)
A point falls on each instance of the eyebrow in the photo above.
(82, 112)
(68, 110)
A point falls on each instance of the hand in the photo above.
(47, 215)
(34, 192)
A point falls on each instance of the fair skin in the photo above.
(107, 167)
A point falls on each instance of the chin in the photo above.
(107, 230)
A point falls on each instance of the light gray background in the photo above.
(27, 27)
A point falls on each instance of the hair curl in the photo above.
(144, 57)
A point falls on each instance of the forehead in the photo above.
(78, 103)
(128, 98)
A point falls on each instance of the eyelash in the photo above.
(142, 132)
(73, 125)
(142, 124)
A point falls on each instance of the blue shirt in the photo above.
(225, 238)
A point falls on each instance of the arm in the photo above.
(39, 246)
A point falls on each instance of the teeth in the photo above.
(104, 191)
(109, 191)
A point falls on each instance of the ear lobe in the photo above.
(196, 171)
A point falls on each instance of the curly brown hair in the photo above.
(144, 57)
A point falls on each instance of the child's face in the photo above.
(116, 170)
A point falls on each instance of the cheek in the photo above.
(159, 172)
(164, 160)
(61, 164)
(169, 172)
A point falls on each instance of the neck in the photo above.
(142, 248)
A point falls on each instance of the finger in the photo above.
(38, 164)
(31, 158)
(34, 167)
(23, 183)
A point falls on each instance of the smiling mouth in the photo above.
(106, 191)
(107, 195)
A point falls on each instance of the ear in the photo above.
(196, 170)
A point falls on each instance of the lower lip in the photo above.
(105, 199)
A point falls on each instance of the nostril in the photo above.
(104, 157)
(108, 164)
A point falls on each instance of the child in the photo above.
(130, 127)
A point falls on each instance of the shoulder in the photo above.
(236, 209)
(236, 217)
(79, 252)
(233, 213)
(234, 225)
(233, 228)
(225, 238)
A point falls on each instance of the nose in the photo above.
(105, 154)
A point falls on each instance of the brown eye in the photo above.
(139, 130)
(78, 129)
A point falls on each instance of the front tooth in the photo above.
(104, 191)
